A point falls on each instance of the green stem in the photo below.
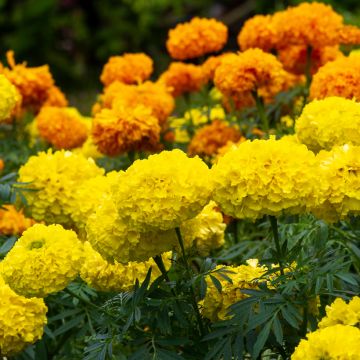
(261, 111)
(188, 272)
(274, 227)
(308, 76)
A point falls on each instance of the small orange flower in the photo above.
(2, 165)
(12, 221)
(128, 69)
(182, 78)
(196, 38)
(210, 138)
(119, 130)
(337, 78)
(62, 127)
(55, 97)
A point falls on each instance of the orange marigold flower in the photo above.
(210, 138)
(251, 70)
(340, 77)
(210, 65)
(121, 129)
(182, 78)
(349, 34)
(33, 83)
(257, 32)
(238, 101)
(2, 165)
(294, 57)
(128, 68)
(196, 38)
(12, 221)
(155, 96)
(55, 97)
(62, 127)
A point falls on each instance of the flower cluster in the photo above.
(13, 221)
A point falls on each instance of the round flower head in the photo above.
(210, 65)
(183, 78)
(104, 276)
(265, 177)
(340, 77)
(339, 174)
(206, 231)
(9, 98)
(326, 123)
(216, 304)
(152, 95)
(43, 261)
(54, 177)
(64, 128)
(128, 69)
(112, 237)
(339, 312)
(12, 221)
(163, 191)
(122, 129)
(55, 97)
(210, 138)
(22, 320)
(33, 83)
(339, 342)
(252, 70)
(196, 38)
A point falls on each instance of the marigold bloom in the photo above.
(43, 261)
(104, 276)
(122, 129)
(163, 191)
(210, 138)
(340, 312)
(112, 237)
(55, 97)
(88, 149)
(62, 127)
(210, 65)
(9, 96)
(55, 178)
(33, 83)
(152, 95)
(326, 123)
(265, 177)
(12, 221)
(128, 69)
(2, 165)
(196, 38)
(216, 304)
(340, 77)
(183, 78)
(333, 343)
(22, 320)
(206, 231)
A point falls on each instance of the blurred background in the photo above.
(76, 37)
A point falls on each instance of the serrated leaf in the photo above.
(261, 340)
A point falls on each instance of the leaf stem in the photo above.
(274, 227)
(261, 110)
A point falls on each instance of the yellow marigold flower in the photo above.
(252, 70)
(339, 169)
(196, 38)
(128, 69)
(215, 305)
(258, 32)
(33, 83)
(340, 77)
(294, 57)
(104, 276)
(12, 221)
(55, 97)
(55, 177)
(88, 149)
(163, 191)
(205, 232)
(43, 261)
(9, 98)
(287, 121)
(340, 312)
(62, 127)
(265, 177)
(122, 129)
(22, 320)
(339, 342)
(112, 237)
(326, 123)
(210, 138)
(183, 78)
(155, 96)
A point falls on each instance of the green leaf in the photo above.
(277, 329)
(69, 325)
(261, 340)
(216, 283)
